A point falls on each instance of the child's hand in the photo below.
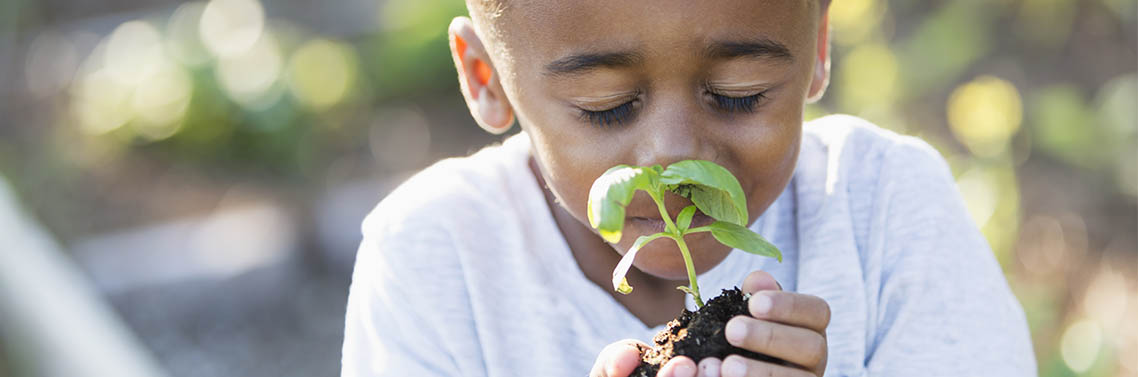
(786, 325)
(621, 358)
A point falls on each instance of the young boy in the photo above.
(486, 265)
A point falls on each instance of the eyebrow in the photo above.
(762, 48)
(579, 63)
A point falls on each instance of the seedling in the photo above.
(711, 188)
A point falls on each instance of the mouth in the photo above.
(651, 225)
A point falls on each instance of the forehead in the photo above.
(537, 31)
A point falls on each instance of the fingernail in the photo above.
(733, 367)
(685, 370)
(735, 332)
(760, 304)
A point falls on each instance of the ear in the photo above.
(478, 79)
(821, 77)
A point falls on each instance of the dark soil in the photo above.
(697, 335)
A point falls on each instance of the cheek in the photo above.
(771, 162)
(571, 154)
(570, 165)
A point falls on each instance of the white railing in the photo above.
(52, 319)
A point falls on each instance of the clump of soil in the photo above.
(698, 335)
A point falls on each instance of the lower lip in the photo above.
(656, 225)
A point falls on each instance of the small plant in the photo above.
(712, 189)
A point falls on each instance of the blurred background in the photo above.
(181, 183)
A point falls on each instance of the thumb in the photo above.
(760, 281)
(618, 359)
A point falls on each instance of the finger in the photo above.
(679, 366)
(617, 359)
(738, 366)
(709, 367)
(791, 308)
(760, 281)
(794, 344)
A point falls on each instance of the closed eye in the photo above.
(616, 116)
(745, 104)
(623, 113)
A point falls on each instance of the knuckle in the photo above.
(764, 335)
(797, 304)
(815, 350)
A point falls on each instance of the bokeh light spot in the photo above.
(984, 114)
(1106, 298)
(1117, 105)
(248, 76)
(851, 21)
(160, 102)
(868, 77)
(1080, 345)
(1042, 246)
(321, 73)
(230, 27)
(100, 104)
(183, 41)
(133, 52)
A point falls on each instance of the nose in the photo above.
(671, 132)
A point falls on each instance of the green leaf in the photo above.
(717, 204)
(712, 188)
(683, 220)
(741, 238)
(619, 283)
(612, 191)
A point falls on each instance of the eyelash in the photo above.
(612, 117)
(617, 116)
(738, 104)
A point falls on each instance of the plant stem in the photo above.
(691, 270)
(675, 234)
(671, 226)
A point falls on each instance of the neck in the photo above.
(655, 301)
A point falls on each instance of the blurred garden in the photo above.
(205, 164)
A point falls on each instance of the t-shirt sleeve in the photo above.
(380, 337)
(944, 307)
(404, 291)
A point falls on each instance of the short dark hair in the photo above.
(495, 8)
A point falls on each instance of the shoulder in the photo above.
(848, 163)
(449, 193)
(411, 280)
(857, 146)
(440, 213)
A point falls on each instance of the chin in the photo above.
(662, 258)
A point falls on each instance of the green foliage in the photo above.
(612, 192)
(683, 220)
(710, 187)
(713, 191)
(741, 238)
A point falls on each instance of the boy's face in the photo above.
(596, 83)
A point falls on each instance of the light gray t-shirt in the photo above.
(463, 272)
